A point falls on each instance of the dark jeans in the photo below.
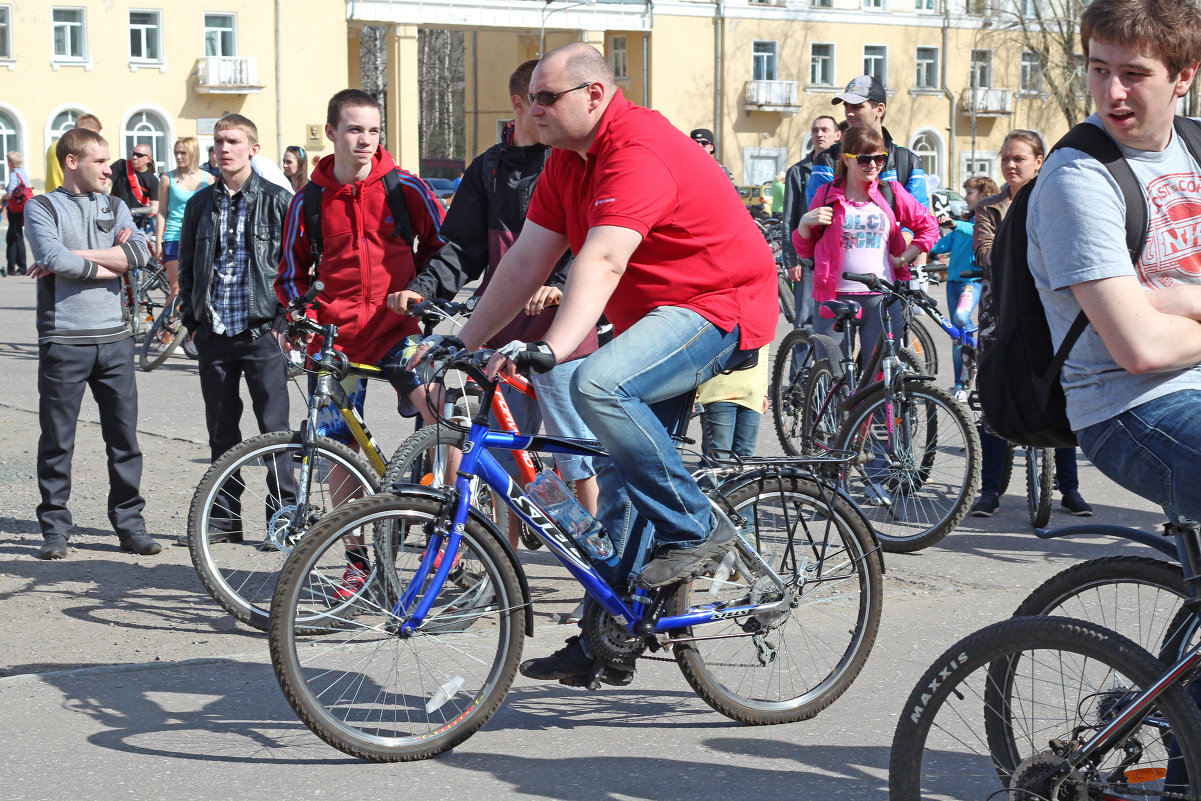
(14, 241)
(224, 361)
(992, 465)
(64, 371)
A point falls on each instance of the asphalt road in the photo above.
(121, 678)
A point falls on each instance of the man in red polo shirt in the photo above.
(667, 251)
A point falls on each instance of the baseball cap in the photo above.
(701, 135)
(860, 90)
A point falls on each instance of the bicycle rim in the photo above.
(359, 683)
(985, 714)
(788, 664)
(787, 389)
(240, 496)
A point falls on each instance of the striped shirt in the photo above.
(229, 294)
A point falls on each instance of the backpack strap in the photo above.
(885, 188)
(311, 202)
(1094, 141)
(903, 166)
(402, 226)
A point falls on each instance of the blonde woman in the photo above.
(174, 189)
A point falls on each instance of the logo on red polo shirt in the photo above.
(603, 200)
(1173, 252)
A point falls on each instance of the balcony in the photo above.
(988, 102)
(778, 96)
(228, 75)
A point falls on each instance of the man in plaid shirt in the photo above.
(229, 250)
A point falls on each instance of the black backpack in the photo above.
(1018, 380)
(311, 200)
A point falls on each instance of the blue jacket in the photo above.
(958, 242)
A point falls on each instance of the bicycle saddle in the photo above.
(840, 310)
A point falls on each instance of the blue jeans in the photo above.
(727, 426)
(631, 393)
(1153, 450)
(992, 465)
(960, 307)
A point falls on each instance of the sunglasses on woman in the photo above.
(868, 158)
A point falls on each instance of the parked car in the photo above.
(756, 195)
(443, 189)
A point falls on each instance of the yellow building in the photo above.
(154, 71)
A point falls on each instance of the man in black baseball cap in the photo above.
(704, 138)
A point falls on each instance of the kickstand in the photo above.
(598, 667)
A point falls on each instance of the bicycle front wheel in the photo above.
(1040, 481)
(163, 337)
(1136, 596)
(917, 466)
(983, 718)
(789, 374)
(921, 342)
(240, 523)
(790, 662)
(363, 683)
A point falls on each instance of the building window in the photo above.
(619, 57)
(924, 5)
(145, 36)
(927, 68)
(70, 34)
(928, 148)
(6, 37)
(981, 69)
(763, 61)
(9, 140)
(821, 64)
(1030, 9)
(875, 62)
(821, 3)
(980, 8)
(147, 128)
(220, 35)
(873, 5)
(1032, 73)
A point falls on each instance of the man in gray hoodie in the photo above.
(83, 242)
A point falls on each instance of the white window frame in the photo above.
(765, 66)
(619, 57)
(134, 131)
(822, 3)
(882, 77)
(6, 34)
(936, 152)
(81, 58)
(932, 67)
(980, 69)
(155, 32)
(829, 62)
(1025, 86)
(923, 5)
(986, 163)
(873, 5)
(233, 29)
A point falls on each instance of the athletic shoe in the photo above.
(876, 495)
(140, 543)
(572, 666)
(986, 506)
(1073, 504)
(676, 564)
(353, 580)
(54, 546)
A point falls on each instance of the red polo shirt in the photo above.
(700, 248)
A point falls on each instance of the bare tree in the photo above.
(373, 61)
(441, 69)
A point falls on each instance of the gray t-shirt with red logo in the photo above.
(1077, 228)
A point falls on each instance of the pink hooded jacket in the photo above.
(826, 250)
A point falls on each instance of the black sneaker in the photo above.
(54, 546)
(570, 665)
(986, 505)
(679, 563)
(141, 543)
(1074, 504)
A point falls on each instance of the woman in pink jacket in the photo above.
(852, 228)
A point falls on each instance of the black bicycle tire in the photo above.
(995, 645)
(819, 384)
(851, 438)
(415, 447)
(244, 453)
(147, 362)
(1040, 482)
(786, 396)
(859, 551)
(927, 350)
(787, 299)
(1007, 467)
(292, 672)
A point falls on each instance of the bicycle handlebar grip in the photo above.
(315, 289)
(869, 280)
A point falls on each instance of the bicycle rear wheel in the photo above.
(163, 337)
(362, 684)
(790, 663)
(238, 524)
(789, 375)
(1040, 481)
(917, 466)
(982, 717)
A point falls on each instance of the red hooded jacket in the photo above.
(361, 261)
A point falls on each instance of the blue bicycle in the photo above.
(425, 651)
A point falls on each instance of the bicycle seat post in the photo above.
(1187, 534)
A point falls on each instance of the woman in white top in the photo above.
(174, 189)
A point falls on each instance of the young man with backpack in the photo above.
(16, 194)
(1131, 380)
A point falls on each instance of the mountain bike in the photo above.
(165, 335)
(144, 292)
(772, 632)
